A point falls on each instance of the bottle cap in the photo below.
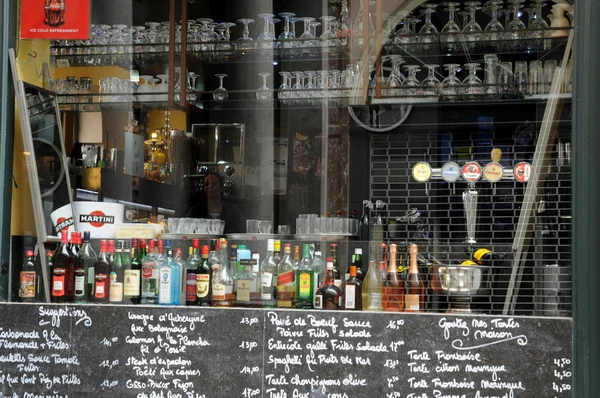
(134, 242)
(103, 245)
(151, 245)
(168, 243)
(111, 245)
(242, 247)
(29, 253)
(333, 245)
(170, 253)
(178, 252)
(64, 236)
(205, 249)
(86, 236)
(196, 243)
(143, 243)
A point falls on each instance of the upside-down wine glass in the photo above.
(451, 84)
(539, 26)
(264, 93)
(516, 29)
(431, 84)
(494, 30)
(472, 85)
(284, 88)
(472, 30)
(450, 32)
(220, 94)
(428, 31)
(245, 43)
(411, 83)
(286, 34)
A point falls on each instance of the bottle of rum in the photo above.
(102, 275)
(63, 272)
(268, 279)
(203, 287)
(353, 291)
(372, 288)
(29, 279)
(149, 274)
(191, 273)
(329, 296)
(393, 292)
(117, 274)
(133, 276)
(305, 278)
(414, 297)
(286, 281)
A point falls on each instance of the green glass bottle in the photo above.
(305, 280)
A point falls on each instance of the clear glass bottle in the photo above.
(414, 296)
(117, 274)
(191, 273)
(222, 283)
(102, 270)
(329, 296)
(182, 282)
(318, 266)
(268, 279)
(29, 279)
(372, 288)
(246, 283)
(337, 275)
(305, 280)
(150, 267)
(111, 251)
(296, 256)
(168, 281)
(286, 282)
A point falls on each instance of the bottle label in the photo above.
(338, 283)
(412, 302)
(243, 290)
(478, 255)
(147, 270)
(285, 278)
(350, 303)
(131, 285)
(202, 285)
(116, 292)
(90, 276)
(79, 285)
(58, 282)
(304, 282)
(285, 295)
(165, 283)
(266, 296)
(318, 302)
(100, 286)
(218, 292)
(375, 300)
(266, 279)
(27, 284)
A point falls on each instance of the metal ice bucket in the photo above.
(461, 282)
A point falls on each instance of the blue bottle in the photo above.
(169, 275)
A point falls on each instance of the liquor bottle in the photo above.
(82, 264)
(360, 274)
(286, 283)
(277, 251)
(222, 283)
(169, 277)
(244, 283)
(393, 294)
(242, 253)
(191, 273)
(353, 291)
(111, 251)
(305, 280)
(296, 257)
(329, 296)
(29, 279)
(182, 283)
(102, 275)
(117, 275)
(318, 266)
(364, 223)
(372, 289)
(49, 258)
(63, 272)
(336, 268)
(75, 244)
(268, 278)
(159, 251)
(255, 287)
(132, 276)
(414, 297)
(149, 274)
(203, 287)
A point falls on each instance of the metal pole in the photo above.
(586, 193)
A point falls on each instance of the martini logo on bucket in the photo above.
(62, 223)
(97, 219)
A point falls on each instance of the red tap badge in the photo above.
(55, 19)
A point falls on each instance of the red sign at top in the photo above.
(55, 19)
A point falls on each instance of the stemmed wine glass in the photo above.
(494, 30)
(220, 94)
(328, 37)
(395, 78)
(245, 43)
(539, 26)
(284, 88)
(431, 84)
(298, 86)
(516, 28)
(307, 38)
(428, 31)
(411, 83)
(286, 34)
(310, 75)
(264, 93)
(451, 84)
(265, 40)
(404, 36)
(472, 85)
(472, 30)
(451, 30)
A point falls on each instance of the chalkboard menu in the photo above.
(58, 351)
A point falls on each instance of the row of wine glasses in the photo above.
(453, 38)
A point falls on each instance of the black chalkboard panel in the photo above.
(63, 351)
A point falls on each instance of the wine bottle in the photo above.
(63, 272)
(372, 289)
(329, 296)
(353, 291)
(29, 279)
(414, 297)
(392, 288)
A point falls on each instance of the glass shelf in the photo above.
(306, 51)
